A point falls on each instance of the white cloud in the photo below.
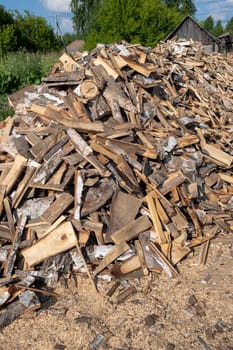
(219, 10)
(57, 5)
(66, 25)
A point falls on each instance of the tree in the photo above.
(34, 33)
(68, 38)
(186, 7)
(84, 15)
(6, 17)
(208, 24)
(229, 26)
(7, 39)
(218, 29)
(143, 21)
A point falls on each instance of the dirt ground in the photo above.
(191, 311)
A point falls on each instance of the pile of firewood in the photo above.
(117, 165)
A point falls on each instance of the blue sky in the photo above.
(44, 8)
(218, 9)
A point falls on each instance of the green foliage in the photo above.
(85, 14)
(229, 26)
(218, 29)
(7, 39)
(68, 38)
(186, 7)
(34, 34)
(20, 69)
(208, 24)
(135, 21)
(5, 109)
(25, 31)
(5, 16)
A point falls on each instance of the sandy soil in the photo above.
(191, 311)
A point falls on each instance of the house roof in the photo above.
(172, 34)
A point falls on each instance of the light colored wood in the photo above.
(155, 218)
(127, 266)
(89, 89)
(24, 185)
(58, 116)
(120, 61)
(113, 254)
(9, 122)
(2, 195)
(141, 257)
(161, 212)
(79, 142)
(69, 64)
(173, 180)
(83, 237)
(226, 178)
(13, 175)
(78, 189)
(9, 216)
(107, 65)
(215, 153)
(60, 240)
(142, 69)
(50, 228)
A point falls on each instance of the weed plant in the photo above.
(20, 69)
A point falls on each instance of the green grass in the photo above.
(5, 109)
(20, 69)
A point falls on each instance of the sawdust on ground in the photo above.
(192, 311)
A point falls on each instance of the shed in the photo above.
(226, 40)
(190, 29)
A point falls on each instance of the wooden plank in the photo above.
(9, 265)
(78, 189)
(41, 148)
(14, 173)
(131, 230)
(62, 202)
(28, 301)
(124, 208)
(107, 65)
(126, 267)
(9, 122)
(24, 184)
(58, 116)
(10, 218)
(113, 254)
(2, 195)
(142, 69)
(173, 180)
(163, 261)
(155, 218)
(98, 196)
(141, 257)
(69, 64)
(60, 240)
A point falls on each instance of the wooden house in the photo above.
(190, 29)
(226, 40)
